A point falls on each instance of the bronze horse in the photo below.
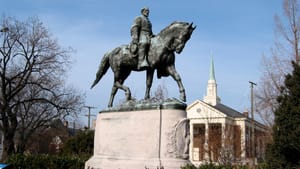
(161, 57)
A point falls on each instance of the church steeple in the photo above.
(211, 92)
(212, 70)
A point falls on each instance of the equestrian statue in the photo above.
(157, 55)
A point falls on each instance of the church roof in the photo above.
(233, 113)
(228, 111)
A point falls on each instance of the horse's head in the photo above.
(179, 33)
(184, 34)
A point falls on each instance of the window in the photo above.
(214, 141)
(198, 142)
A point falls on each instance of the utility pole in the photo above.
(252, 125)
(89, 115)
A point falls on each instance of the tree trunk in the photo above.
(20, 148)
(22, 141)
(8, 145)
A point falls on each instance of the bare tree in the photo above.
(278, 64)
(231, 151)
(161, 93)
(32, 89)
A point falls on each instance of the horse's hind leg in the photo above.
(112, 95)
(120, 85)
(119, 78)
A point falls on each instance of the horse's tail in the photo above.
(103, 67)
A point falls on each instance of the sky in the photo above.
(235, 33)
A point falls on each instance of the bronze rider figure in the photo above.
(141, 33)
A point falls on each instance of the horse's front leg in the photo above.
(172, 71)
(149, 80)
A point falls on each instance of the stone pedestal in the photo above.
(139, 136)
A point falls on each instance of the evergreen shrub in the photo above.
(20, 161)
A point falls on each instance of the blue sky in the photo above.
(236, 33)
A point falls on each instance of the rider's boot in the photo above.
(142, 62)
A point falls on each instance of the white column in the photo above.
(206, 149)
(223, 134)
(243, 141)
(191, 150)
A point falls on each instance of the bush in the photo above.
(213, 166)
(76, 151)
(263, 166)
(189, 166)
(45, 161)
(82, 144)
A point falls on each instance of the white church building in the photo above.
(220, 134)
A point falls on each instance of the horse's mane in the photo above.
(165, 30)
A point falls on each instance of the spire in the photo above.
(212, 70)
(211, 93)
